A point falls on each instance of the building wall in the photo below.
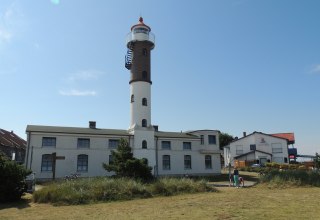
(140, 89)
(263, 143)
(99, 151)
(198, 152)
(66, 145)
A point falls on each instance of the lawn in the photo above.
(257, 202)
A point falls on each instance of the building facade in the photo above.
(13, 146)
(258, 148)
(66, 150)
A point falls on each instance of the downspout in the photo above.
(156, 170)
(28, 147)
(31, 157)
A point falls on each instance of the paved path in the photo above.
(226, 184)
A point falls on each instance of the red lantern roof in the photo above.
(141, 24)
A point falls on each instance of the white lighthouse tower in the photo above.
(140, 41)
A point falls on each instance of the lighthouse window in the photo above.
(144, 102)
(144, 52)
(144, 123)
(144, 74)
(144, 144)
(140, 30)
(132, 98)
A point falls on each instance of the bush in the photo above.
(12, 175)
(82, 191)
(291, 178)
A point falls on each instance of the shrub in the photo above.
(12, 175)
(82, 191)
(291, 178)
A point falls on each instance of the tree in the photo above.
(125, 165)
(12, 176)
(225, 139)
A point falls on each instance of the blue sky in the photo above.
(234, 66)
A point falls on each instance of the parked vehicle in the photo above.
(31, 183)
(256, 165)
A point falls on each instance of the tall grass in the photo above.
(82, 191)
(291, 178)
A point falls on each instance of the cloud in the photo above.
(5, 35)
(75, 92)
(85, 75)
(12, 21)
(315, 69)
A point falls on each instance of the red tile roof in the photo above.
(10, 139)
(288, 136)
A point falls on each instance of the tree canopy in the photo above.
(225, 139)
(12, 176)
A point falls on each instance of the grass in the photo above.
(90, 190)
(258, 202)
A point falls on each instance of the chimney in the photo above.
(156, 127)
(92, 124)
(244, 134)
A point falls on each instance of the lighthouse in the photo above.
(140, 41)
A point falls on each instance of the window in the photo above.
(144, 75)
(212, 139)
(208, 162)
(201, 139)
(113, 144)
(239, 150)
(144, 123)
(48, 142)
(132, 98)
(110, 159)
(144, 52)
(166, 162)
(82, 163)
(166, 145)
(276, 150)
(144, 102)
(144, 144)
(277, 159)
(83, 143)
(145, 161)
(187, 162)
(252, 147)
(46, 163)
(186, 145)
(141, 30)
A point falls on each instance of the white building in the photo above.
(83, 150)
(257, 148)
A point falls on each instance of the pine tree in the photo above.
(125, 165)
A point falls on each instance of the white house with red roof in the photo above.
(260, 148)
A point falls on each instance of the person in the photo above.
(236, 177)
(231, 180)
(241, 181)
